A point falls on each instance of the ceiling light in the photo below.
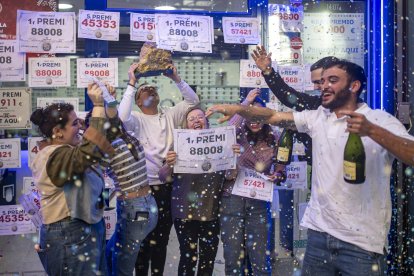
(65, 6)
(165, 8)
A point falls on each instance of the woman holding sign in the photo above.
(66, 172)
(245, 217)
(195, 207)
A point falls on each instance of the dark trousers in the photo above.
(154, 247)
(198, 241)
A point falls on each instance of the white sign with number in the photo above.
(296, 176)
(15, 108)
(46, 32)
(142, 27)
(49, 72)
(184, 33)
(104, 69)
(29, 186)
(32, 147)
(10, 153)
(250, 75)
(204, 151)
(286, 18)
(99, 25)
(12, 62)
(45, 102)
(241, 30)
(110, 222)
(250, 184)
(15, 221)
(293, 76)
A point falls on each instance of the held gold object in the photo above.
(153, 61)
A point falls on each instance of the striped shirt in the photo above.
(127, 173)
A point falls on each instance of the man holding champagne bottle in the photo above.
(347, 223)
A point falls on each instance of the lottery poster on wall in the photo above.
(110, 222)
(46, 32)
(15, 221)
(15, 108)
(45, 102)
(49, 72)
(293, 76)
(342, 35)
(10, 153)
(12, 62)
(207, 150)
(241, 30)
(99, 25)
(286, 48)
(296, 176)
(104, 69)
(32, 147)
(251, 76)
(184, 33)
(286, 18)
(142, 27)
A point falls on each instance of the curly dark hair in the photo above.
(264, 134)
(53, 115)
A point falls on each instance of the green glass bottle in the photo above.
(354, 160)
(285, 147)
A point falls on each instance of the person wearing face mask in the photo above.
(67, 173)
(153, 127)
(245, 223)
(195, 207)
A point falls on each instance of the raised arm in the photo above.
(128, 99)
(283, 92)
(266, 115)
(237, 120)
(190, 97)
(402, 148)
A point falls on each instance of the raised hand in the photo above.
(262, 58)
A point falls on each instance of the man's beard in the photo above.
(339, 99)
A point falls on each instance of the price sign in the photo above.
(142, 27)
(104, 69)
(110, 222)
(296, 176)
(15, 108)
(241, 30)
(184, 33)
(98, 25)
(10, 153)
(250, 75)
(207, 150)
(15, 221)
(293, 76)
(250, 184)
(286, 18)
(45, 102)
(12, 63)
(46, 32)
(32, 147)
(49, 72)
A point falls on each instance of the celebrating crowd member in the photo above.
(195, 207)
(66, 172)
(137, 211)
(246, 222)
(154, 129)
(347, 223)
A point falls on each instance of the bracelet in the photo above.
(131, 85)
(98, 105)
(267, 71)
(112, 104)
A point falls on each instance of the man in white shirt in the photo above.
(154, 129)
(348, 224)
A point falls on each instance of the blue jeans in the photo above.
(135, 219)
(327, 255)
(73, 247)
(245, 226)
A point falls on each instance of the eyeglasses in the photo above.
(193, 118)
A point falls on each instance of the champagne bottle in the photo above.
(354, 160)
(284, 150)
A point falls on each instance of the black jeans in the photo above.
(191, 233)
(154, 247)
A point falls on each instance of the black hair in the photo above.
(54, 115)
(323, 62)
(354, 71)
(264, 134)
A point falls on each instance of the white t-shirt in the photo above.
(356, 213)
(155, 132)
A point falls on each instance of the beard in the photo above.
(340, 98)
